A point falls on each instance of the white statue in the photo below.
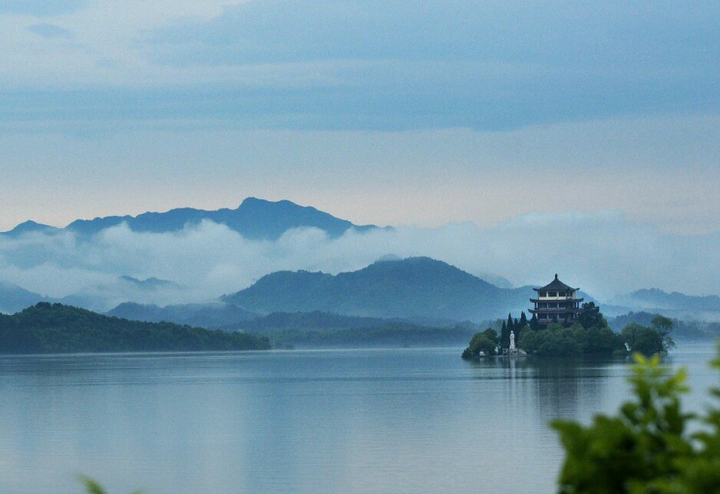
(512, 341)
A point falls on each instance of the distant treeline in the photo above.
(315, 320)
(682, 330)
(396, 334)
(57, 328)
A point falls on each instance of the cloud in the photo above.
(493, 65)
(50, 31)
(603, 253)
(349, 64)
(40, 8)
(556, 33)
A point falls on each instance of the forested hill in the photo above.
(415, 288)
(56, 328)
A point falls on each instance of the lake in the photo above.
(401, 420)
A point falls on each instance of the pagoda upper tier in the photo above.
(556, 302)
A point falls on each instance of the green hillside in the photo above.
(56, 328)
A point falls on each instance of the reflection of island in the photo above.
(563, 387)
(559, 388)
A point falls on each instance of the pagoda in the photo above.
(556, 302)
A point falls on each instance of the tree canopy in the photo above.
(485, 342)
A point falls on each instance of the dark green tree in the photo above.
(534, 326)
(492, 334)
(664, 325)
(523, 320)
(518, 328)
(590, 316)
(485, 342)
(644, 340)
(555, 341)
(504, 336)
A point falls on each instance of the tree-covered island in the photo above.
(57, 328)
(588, 334)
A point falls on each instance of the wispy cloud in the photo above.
(41, 8)
(47, 30)
(376, 64)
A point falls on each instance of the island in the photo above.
(561, 327)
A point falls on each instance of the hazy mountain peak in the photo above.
(14, 298)
(30, 226)
(255, 219)
(415, 288)
(389, 258)
(149, 283)
(657, 299)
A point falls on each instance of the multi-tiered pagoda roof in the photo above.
(556, 302)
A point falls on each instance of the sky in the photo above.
(387, 112)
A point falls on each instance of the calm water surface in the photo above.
(411, 420)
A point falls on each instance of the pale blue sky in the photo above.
(379, 111)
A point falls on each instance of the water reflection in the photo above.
(560, 388)
(325, 421)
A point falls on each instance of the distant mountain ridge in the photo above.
(254, 219)
(416, 288)
(30, 227)
(656, 298)
(673, 304)
(14, 298)
(222, 315)
(217, 315)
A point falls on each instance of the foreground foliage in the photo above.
(646, 447)
(93, 487)
(56, 328)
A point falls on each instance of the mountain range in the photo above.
(96, 297)
(673, 304)
(255, 219)
(215, 315)
(419, 289)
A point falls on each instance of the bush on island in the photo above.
(486, 342)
